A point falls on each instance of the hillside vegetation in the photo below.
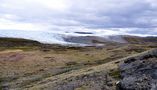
(30, 65)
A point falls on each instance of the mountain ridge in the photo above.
(96, 40)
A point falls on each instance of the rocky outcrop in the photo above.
(139, 72)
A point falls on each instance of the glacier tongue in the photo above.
(44, 37)
(63, 38)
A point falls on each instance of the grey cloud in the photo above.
(90, 14)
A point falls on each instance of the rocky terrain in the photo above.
(31, 65)
(139, 72)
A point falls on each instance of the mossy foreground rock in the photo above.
(139, 72)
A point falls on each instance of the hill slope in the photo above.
(26, 64)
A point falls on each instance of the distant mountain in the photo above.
(93, 40)
(81, 38)
(14, 42)
(111, 39)
(139, 40)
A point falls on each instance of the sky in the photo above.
(101, 17)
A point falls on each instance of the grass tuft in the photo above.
(115, 74)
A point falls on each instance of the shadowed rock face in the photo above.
(139, 72)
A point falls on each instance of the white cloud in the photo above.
(102, 17)
(53, 4)
(11, 25)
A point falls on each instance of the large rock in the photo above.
(139, 72)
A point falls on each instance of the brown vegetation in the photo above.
(30, 64)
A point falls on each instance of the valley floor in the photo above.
(63, 68)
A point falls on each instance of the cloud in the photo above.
(7, 24)
(114, 16)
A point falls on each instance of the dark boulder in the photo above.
(139, 72)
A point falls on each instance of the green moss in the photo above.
(115, 74)
(24, 48)
(71, 63)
